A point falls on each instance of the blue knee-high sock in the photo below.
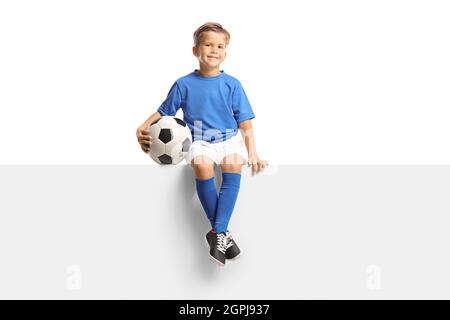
(207, 193)
(227, 199)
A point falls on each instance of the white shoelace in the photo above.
(230, 242)
(221, 242)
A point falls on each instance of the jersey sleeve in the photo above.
(172, 103)
(242, 109)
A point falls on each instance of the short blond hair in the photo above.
(210, 26)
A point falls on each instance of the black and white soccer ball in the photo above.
(171, 140)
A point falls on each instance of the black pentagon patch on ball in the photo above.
(165, 135)
(180, 122)
(186, 145)
(165, 159)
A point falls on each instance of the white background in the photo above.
(331, 82)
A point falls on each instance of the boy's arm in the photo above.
(150, 120)
(142, 133)
(246, 129)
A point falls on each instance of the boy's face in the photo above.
(210, 52)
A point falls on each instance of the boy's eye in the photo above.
(209, 45)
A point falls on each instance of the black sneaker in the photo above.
(233, 251)
(218, 248)
(210, 237)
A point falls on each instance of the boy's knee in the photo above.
(233, 160)
(235, 168)
(203, 167)
(202, 161)
(232, 163)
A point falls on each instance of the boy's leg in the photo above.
(206, 187)
(231, 171)
(231, 167)
(203, 167)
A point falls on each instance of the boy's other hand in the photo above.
(256, 163)
(144, 139)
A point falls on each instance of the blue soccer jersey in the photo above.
(212, 107)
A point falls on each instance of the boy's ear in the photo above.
(194, 51)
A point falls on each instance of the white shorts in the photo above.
(217, 151)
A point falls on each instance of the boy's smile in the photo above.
(211, 52)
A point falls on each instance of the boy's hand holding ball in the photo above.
(144, 138)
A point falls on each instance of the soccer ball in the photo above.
(171, 140)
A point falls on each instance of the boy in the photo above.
(214, 105)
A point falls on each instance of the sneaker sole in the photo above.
(209, 247)
(235, 258)
(216, 261)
